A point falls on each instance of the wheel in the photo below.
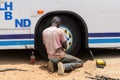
(72, 34)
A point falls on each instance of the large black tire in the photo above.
(70, 24)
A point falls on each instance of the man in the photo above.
(54, 41)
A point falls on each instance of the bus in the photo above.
(86, 23)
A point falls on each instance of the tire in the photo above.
(67, 23)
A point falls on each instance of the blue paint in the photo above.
(22, 23)
(97, 41)
(17, 36)
(107, 40)
(8, 15)
(7, 6)
(31, 42)
(115, 34)
(15, 43)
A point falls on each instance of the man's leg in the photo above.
(71, 59)
(69, 63)
(52, 65)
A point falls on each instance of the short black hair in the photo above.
(56, 20)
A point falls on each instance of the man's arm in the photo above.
(64, 44)
(63, 40)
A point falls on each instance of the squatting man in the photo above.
(55, 42)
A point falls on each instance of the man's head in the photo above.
(56, 21)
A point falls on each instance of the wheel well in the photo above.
(78, 19)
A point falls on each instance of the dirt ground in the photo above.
(39, 71)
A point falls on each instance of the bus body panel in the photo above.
(18, 19)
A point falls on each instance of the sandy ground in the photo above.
(39, 71)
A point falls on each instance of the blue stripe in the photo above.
(96, 41)
(31, 36)
(31, 42)
(15, 43)
(116, 34)
(17, 36)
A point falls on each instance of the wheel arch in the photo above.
(78, 19)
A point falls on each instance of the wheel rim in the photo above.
(68, 36)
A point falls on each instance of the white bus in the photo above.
(87, 23)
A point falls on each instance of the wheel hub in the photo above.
(68, 36)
